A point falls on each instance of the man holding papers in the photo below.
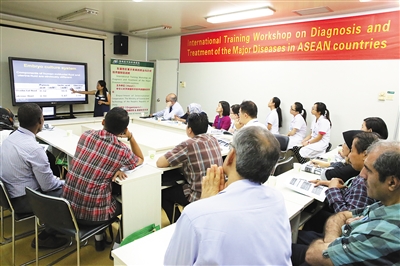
(240, 222)
(368, 236)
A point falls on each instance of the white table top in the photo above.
(58, 138)
(148, 250)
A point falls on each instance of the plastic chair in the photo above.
(284, 143)
(283, 166)
(57, 213)
(5, 204)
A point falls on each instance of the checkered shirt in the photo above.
(99, 155)
(196, 155)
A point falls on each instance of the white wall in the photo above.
(41, 45)
(349, 88)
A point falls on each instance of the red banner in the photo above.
(364, 37)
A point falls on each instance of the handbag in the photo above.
(140, 233)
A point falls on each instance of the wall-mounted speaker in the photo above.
(120, 44)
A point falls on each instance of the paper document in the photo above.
(304, 187)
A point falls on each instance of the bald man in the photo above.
(172, 108)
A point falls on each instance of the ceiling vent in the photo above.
(313, 11)
(194, 27)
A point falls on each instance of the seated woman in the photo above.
(222, 119)
(235, 124)
(298, 126)
(342, 169)
(377, 125)
(315, 144)
(191, 108)
(274, 119)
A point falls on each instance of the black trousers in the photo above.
(169, 197)
(304, 239)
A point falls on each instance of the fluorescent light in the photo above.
(145, 31)
(78, 15)
(241, 15)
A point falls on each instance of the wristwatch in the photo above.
(325, 254)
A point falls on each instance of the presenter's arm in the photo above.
(162, 162)
(93, 92)
(108, 102)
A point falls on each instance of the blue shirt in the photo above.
(24, 163)
(245, 224)
(372, 240)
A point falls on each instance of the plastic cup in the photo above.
(142, 114)
(152, 154)
(69, 133)
(272, 181)
(159, 119)
(297, 167)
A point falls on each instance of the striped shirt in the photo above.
(372, 240)
(196, 155)
(24, 163)
(99, 155)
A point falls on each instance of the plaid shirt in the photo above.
(196, 155)
(354, 197)
(99, 155)
(372, 240)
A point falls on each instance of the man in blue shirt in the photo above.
(368, 236)
(239, 221)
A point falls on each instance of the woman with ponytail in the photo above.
(274, 119)
(316, 143)
(298, 126)
(102, 98)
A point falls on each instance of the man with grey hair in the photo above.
(367, 236)
(172, 108)
(239, 221)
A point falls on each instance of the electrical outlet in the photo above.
(382, 96)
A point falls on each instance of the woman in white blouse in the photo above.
(298, 126)
(315, 144)
(274, 119)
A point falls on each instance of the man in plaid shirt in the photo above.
(368, 236)
(97, 162)
(196, 155)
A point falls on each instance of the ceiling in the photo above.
(122, 16)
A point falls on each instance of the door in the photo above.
(165, 82)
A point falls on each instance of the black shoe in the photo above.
(100, 244)
(50, 242)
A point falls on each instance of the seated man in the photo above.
(339, 196)
(248, 114)
(196, 155)
(6, 123)
(240, 222)
(368, 236)
(172, 109)
(97, 162)
(23, 163)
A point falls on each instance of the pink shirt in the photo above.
(222, 122)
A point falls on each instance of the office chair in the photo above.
(284, 143)
(329, 147)
(283, 166)
(5, 204)
(57, 213)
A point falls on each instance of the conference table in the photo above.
(141, 210)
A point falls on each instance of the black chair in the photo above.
(5, 204)
(329, 147)
(283, 166)
(57, 213)
(284, 143)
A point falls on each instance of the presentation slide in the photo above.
(47, 82)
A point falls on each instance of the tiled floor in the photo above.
(24, 252)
